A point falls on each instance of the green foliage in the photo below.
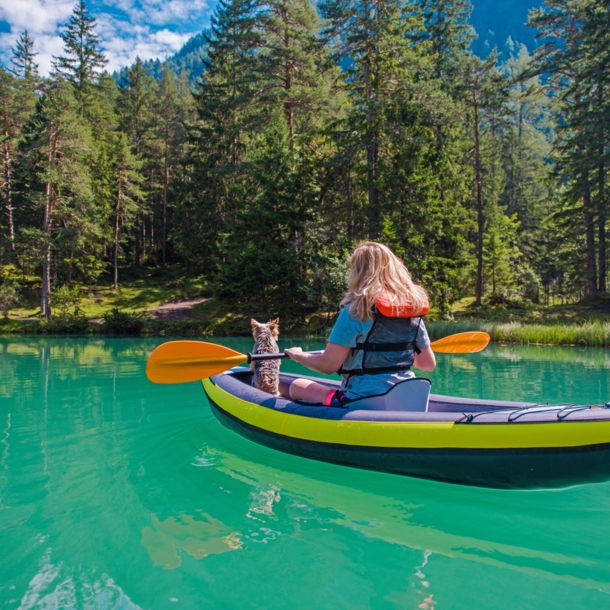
(81, 46)
(303, 138)
(119, 322)
(9, 297)
(500, 254)
(67, 300)
(71, 325)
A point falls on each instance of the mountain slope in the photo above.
(495, 21)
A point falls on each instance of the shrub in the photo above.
(70, 325)
(67, 300)
(119, 322)
(9, 297)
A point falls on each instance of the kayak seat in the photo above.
(408, 395)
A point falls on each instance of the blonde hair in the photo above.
(376, 271)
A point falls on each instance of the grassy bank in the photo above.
(588, 334)
(215, 323)
(586, 323)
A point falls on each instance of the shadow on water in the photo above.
(115, 493)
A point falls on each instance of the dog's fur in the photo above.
(266, 372)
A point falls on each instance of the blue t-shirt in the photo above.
(349, 330)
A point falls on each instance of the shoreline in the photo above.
(585, 334)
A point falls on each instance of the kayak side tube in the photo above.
(497, 446)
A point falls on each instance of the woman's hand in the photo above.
(328, 362)
(294, 353)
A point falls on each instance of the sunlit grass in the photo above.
(591, 334)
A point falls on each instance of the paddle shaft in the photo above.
(280, 356)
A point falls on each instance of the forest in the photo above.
(310, 130)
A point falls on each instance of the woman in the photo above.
(378, 335)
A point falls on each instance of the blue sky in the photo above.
(127, 27)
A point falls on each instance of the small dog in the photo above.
(266, 372)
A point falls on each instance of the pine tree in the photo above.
(17, 101)
(526, 141)
(56, 150)
(290, 64)
(23, 58)
(169, 133)
(484, 87)
(217, 161)
(450, 34)
(373, 40)
(126, 181)
(563, 56)
(135, 107)
(265, 264)
(83, 57)
(501, 253)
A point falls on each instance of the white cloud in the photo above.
(127, 28)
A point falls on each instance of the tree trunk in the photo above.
(45, 295)
(288, 109)
(165, 185)
(8, 190)
(137, 261)
(372, 150)
(117, 218)
(477, 167)
(590, 238)
(601, 202)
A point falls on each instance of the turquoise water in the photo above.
(116, 493)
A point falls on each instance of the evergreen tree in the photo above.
(57, 180)
(83, 57)
(135, 107)
(17, 101)
(484, 87)
(125, 180)
(23, 59)
(564, 56)
(170, 133)
(500, 255)
(264, 266)
(290, 64)
(217, 163)
(374, 41)
(450, 34)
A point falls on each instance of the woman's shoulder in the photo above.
(347, 328)
(347, 316)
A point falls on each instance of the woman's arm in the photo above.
(425, 360)
(328, 362)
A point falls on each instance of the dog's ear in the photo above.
(274, 327)
(254, 324)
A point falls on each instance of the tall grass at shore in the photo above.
(591, 334)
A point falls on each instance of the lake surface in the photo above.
(116, 493)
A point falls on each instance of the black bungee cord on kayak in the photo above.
(563, 412)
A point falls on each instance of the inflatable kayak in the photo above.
(408, 431)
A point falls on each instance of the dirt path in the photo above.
(176, 310)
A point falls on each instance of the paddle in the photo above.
(182, 361)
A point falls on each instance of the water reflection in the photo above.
(198, 537)
(115, 493)
(438, 518)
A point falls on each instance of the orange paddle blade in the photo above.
(461, 343)
(183, 361)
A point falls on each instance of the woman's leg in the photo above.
(305, 389)
(284, 387)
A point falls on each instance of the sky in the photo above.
(127, 28)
